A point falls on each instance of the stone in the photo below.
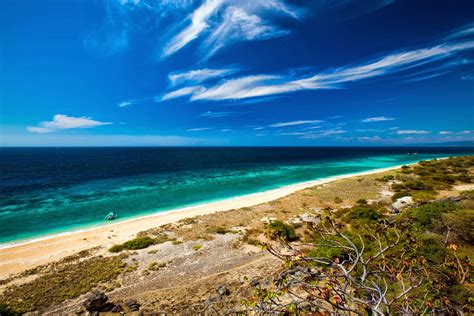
(296, 221)
(132, 305)
(254, 283)
(268, 220)
(222, 290)
(95, 302)
(401, 204)
(309, 219)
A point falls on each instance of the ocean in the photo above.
(52, 190)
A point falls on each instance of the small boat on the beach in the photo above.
(110, 216)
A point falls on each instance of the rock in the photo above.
(222, 290)
(96, 302)
(117, 309)
(296, 222)
(254, 283)
(309, 219)
(132, 305)
(268, 220)
(401, 204)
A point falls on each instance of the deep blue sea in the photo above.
(52, 190)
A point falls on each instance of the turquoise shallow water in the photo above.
(30, 213)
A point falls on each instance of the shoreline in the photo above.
(19, 256)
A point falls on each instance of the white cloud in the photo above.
(61, 121)
(369, 139)
(198, 75)
(466, 132)
(293, 123)
(39, 130)
(238, 25)
(224, 22)
(264, 85)
(324, 133)
(179, 93)
(199, 23)
(411, 131)
(210, 114)
(124, 104)
(377, 119)
(199, 129)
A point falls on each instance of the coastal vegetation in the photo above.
(366, 259)
(140, 242)
(335, 248)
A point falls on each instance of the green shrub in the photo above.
(432, 248)
(219, 230)
(362, 202)
(6, 310)
(386, 178)
(400, 194)
(283, 230)
(134, 244)
(196, 247)
(362, 214)
(424, 216)
(423, 196)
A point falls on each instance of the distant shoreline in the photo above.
(287, 188)
(17, 257)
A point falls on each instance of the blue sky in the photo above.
(241, 72)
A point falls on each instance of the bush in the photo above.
(283, 230)
(219, 230)
(432, 248)
(196, 247)
(362, 202)
(400, 194)
(424, 216)
(134, 244)
(362, 214)
(337, 200)
(6, 310)
(386, 178)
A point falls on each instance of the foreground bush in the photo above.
(282, 230)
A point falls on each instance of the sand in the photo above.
(15, 258)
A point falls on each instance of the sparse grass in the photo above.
(66, 282)
(155, 266)
(219, 230)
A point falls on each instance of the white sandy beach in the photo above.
(15, 258)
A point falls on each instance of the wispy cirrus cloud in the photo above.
(198, 75)
(199, 23)
(262, 85)
(377, 119)
(466, 132)
(293, 123)
(61, 121)
(324, 133)
(412, 132)
(126, 17)
(199, 129)
(210, 114)
(222, 23)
